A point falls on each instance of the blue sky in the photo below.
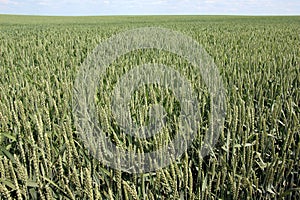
(146, 7)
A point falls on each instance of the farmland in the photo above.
(257, 155)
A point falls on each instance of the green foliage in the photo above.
(257, 155)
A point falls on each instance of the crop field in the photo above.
(256, 156)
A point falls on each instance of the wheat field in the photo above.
(256, 156)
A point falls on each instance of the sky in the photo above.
(150, 7)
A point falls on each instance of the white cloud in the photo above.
(210, 1)
(44, 3)
(4, 1)
(9, 2)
